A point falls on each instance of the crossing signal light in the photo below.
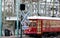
(22, 7)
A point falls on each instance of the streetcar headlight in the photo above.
(29, 30)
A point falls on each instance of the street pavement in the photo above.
(23, 36)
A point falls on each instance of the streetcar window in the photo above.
(33, 23)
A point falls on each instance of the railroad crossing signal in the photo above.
(23, 16)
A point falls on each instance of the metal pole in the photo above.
(0, 18)
(31, 6)
(4, 10)
(21, 27)
(53, 9)
(17, 11)
(59, 6)
(38, 7)
(45, 7)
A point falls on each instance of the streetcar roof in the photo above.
(42, 17)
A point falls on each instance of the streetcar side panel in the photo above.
(51, 26)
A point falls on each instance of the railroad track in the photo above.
(26, 36)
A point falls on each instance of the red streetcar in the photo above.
(43, 25)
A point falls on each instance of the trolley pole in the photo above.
(0, 18)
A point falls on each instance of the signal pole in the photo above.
(22, 8)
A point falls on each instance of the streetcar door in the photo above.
(39, 27)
